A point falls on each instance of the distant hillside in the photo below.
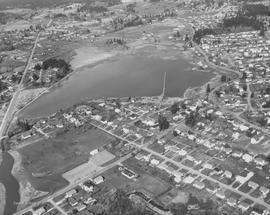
(4, 4)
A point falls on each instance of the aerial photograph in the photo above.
(135, 107)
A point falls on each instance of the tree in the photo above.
(244, 75)
(35, 76)
(37, 67)
(23, 125)
(2, 85)
(192, 200)
(183, 105)
(118, 104)
(163, 123)
(56, 63)
(262, 31)
(223, 78)
(262, 121)
(178, 209)
(191, 119)
(245, 87)
(208, 89)
(14, 78)
(120, 203)
(175, 108)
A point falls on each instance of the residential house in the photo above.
(70, 193)
(264, 191)
(253, 185)
(228, 174)
(257, 211)
(232, 202)
(154, 162)
(26, 135)
(211, 189)
(182, 152)
(72, 201)
(244, 206)
(260, 161)
(188, 180)
(247, 158)
(98, 180)
(237, 154)
(207, 166)
(199, 185)
(220, 194)
(80, 207)
(39, 211)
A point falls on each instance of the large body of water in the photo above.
(129, 76)
(11, 185)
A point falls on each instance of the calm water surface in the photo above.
(11, 185)
(129, 76)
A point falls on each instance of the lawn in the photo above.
(157, 148)
(64, 152)
(53, 157)
(144, 183)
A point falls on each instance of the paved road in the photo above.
(57, 207)
(256, 200)
(214, 66)
(229, 187)
(13, 103)
(71, 186)
(235, 115)
(12, 108)
(41, 132)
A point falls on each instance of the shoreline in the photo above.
(26, 190)
(56, 85)
(47, 90)
(2, 192)
(2, 198)
(189, 91)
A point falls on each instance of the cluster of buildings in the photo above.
(207, 149)
(246, 49)
(196, 158)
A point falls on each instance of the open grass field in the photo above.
(174, 196)
(53, 157)
(145, 183)
(152, 186)
(62, 153)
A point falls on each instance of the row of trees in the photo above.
(205, 207)
(55, 63)
(63, 67)
(255, 10)
(118, 41)
(242, 20)
(228, 25)
(120, 203)
(92, 9)
(6, 17)
(3, 85)
(163, 123)
(192, 118)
